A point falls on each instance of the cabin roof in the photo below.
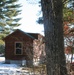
(31, 35)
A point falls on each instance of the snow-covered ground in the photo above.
(11, 69)
(7, 69)
(69, 56)
(2, 60)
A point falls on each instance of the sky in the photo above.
(30, 14)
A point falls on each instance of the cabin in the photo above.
(24, 48)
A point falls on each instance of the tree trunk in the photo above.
(53, 28)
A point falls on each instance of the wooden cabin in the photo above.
(22, 47)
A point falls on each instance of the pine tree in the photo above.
(53, 29)
(8, 15)
(68, 12)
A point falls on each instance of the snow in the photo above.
(7, 69)
(68, 57)
(10, 69)
(2, 60)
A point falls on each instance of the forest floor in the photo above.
(13, 69)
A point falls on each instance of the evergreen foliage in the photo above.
(2, 47)
(68, 12)
(8, 15)
(9, 12)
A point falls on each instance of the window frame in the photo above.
(18, 48)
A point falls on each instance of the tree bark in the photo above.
(53, 29)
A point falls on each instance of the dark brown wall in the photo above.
(10, 46)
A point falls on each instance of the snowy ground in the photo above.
(11, 69)
(68, 57)
(2, 60)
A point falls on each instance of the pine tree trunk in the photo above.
(53, 28)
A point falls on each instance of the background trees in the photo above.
(8, 15)
(68, 22)
(9, 11)
(57, 14)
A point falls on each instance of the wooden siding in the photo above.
(10, 46)
(33, 46)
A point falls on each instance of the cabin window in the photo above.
(18, 48)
